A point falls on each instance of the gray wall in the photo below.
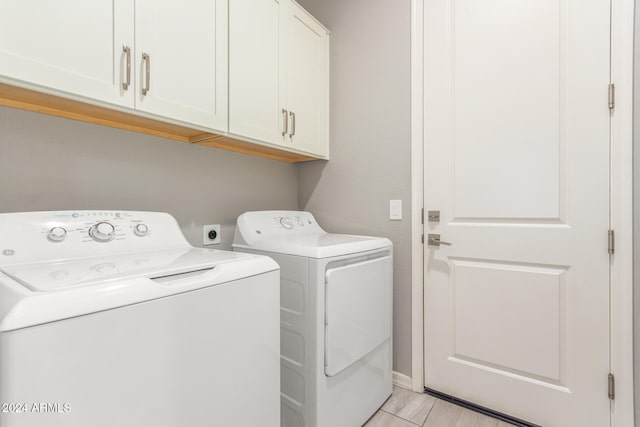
(49, 163)
(370, 138)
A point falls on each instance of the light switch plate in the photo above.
(395, 210)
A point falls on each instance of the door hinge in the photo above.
(422, 239)
(612, 387)
(612, 96)
(612, 242)
(422, 216)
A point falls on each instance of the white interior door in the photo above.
(517, 163)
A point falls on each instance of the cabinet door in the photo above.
(307, 82)
(71, 46)
(256, 78)
(185, 74)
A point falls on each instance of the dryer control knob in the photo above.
(141, 230)
(102, 232)
(286, 223)
(57, 234)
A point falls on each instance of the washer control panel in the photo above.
(106, 227)
(62, 234)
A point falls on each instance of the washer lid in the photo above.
(61, 275)
(30, 296)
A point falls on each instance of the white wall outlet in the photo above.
(211, 234)
(395, 210)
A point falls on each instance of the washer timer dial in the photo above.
(102, 232)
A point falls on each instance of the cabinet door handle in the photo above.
(127, 52)
(293, 124)
(285, 122)
(147, 84)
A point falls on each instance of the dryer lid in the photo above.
(298, 233)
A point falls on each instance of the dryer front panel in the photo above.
(357, 311)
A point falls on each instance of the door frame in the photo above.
(621, 205)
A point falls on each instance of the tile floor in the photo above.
(408, 409)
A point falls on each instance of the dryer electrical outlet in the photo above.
(211, 234)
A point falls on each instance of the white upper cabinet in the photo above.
(181, 55)
(253, 70)
(256, 85)
(279, 76)
(161, 57)
(71, 46)
(307, 82)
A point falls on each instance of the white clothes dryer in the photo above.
(111, 318)
(335, 318)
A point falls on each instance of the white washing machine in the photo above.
(110, 318)
(336, 317)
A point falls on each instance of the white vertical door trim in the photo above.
(417, 195)
(621, 200)
(622, 36)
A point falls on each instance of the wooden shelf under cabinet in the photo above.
(25, 99)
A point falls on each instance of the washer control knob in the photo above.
(57, 234)
(286, 223)
(102, 232)
(141, 230)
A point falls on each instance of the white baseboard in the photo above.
(401, 380)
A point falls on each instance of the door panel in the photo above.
(516, 160)
(72, 46)
(487, 296)
(508, 95)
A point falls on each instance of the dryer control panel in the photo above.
(273, 224)
(295, 220)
